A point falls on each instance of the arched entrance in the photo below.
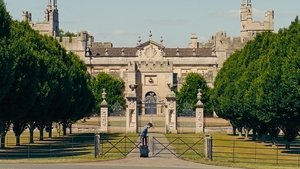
(150, 103)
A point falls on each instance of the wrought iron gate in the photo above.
(178, 147)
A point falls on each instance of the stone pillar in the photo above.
(199, 114)
(171, 114)
(104, 114)
(131, 111)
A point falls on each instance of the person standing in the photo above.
(143, 136)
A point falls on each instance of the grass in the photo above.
(233, 151)
(187, 146)
(71, 148)
(116, 146)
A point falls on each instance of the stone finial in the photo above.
(177, 51)
(139, 40)
(150, 35)
(199, 97)
(161, 40)
(123, 53)
(194, 52)
(104, 94)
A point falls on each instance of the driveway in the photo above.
(127, 163)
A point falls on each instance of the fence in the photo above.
(180, 146)
(241, 151)
(68, 147)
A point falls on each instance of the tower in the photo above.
(246, 18)
(51, 17)
(250, 28)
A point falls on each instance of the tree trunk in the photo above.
(234, 130)
(31, 137)
(31, 132)
(287, 145)
(64, 129)
(254, 137)
(49, 129)
(41, 134)
(50, 133)
(2, 141)
(70, 127)
(18, 140)
(4, 127)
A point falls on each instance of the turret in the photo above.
(250, 28)
(51, 17)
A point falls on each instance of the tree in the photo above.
(82, 100)
(189, 90)
(114, 89)
(258, 86)
(5, 21)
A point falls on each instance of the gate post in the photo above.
(97, 145)
(171, 113)
(199, 114)
(104, 114)
(131, 111)
(208, 147)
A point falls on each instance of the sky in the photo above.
(123, 21)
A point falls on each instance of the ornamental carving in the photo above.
(150, 52)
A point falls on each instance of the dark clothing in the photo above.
(144, 131)
(144, 138)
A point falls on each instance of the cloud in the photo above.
(172, 22)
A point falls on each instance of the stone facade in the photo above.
(151, 70)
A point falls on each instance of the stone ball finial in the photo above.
(199, 95)
(104, 94)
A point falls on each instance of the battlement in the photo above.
(102, 45)
(150, 66)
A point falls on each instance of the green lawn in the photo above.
(234, 151)
(71, 148)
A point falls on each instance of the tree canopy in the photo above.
(258, 86)
(114, 88)
(188, 93)
(40, 82)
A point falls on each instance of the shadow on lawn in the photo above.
(67, 146)
(280, 143)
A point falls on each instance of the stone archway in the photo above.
(150, 103)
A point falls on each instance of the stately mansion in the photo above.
(151, 68)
